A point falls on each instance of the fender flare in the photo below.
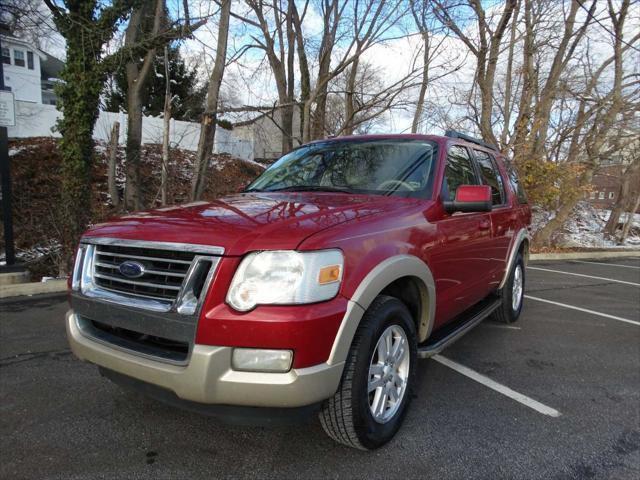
(518, 239)
(382, 275)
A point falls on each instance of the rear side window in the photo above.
(516, 186)
(458, 171)
(490, 176)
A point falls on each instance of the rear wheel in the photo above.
(372, 400)
(512, 293)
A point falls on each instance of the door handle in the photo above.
(485, 224)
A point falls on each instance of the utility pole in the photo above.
(5, 174)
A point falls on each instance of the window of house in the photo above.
(611, 195)
(592, 195)
(18, 58)
(30, 60)
(459, 171)
(6, 56)
(601, 196)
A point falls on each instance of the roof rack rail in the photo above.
(468, 138)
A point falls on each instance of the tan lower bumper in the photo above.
(208, 377)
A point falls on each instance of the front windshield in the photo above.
(383, 167)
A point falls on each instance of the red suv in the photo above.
(314, 290)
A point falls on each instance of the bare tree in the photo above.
(112, 161)
(486, 50)
(149, 12)
(599, 111)
(208, 125)
(629, 189)
(166, 133)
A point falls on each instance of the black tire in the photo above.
(505, 313)
(346, 417)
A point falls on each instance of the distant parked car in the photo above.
(316, 289)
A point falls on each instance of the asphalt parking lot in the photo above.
(556, 395)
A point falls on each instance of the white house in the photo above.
(28, 72)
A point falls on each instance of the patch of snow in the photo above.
(584, 228)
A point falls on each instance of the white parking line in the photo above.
(607, 264)
(586, 310)
(583, 275)
(493, 385)
(497, 325)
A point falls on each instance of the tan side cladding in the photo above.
(208, 377)
(384, 274)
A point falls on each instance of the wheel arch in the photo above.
(403, 276)
(519, 244)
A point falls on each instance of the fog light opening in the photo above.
(261, 360)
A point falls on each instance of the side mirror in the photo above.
(470, 198)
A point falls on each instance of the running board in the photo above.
(456, 329)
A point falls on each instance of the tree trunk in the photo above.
(208, 126)
(424, 82)
(137, 76)
(629, 222)
(133, 192)
(80, 98)
(166, 129)
(113, 159)
(349, 99)
(305, 76)
(624, 193)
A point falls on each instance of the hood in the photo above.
(248, 221)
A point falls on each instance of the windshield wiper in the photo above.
(311, 188)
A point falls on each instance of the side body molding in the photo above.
(522, 236)
(376, 281)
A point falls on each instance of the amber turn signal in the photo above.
(329, 274)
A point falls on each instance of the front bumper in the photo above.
(208, 377)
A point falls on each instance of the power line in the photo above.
(604, 26)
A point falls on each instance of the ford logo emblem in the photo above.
(131, 269)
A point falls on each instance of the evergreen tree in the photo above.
(188, 96)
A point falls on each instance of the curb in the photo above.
(580, 255)
(35, 288)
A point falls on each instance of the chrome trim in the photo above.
(186, 301)
(182, 303)
(77, 268)
(153, 272)
(133, 282)
(182, 247)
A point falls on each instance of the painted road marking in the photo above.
(498, 387)
(586, 310)
(497, 325)
(607, 264)
(583, 275)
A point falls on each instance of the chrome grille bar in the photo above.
(170, 279)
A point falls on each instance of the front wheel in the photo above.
(512, 293)
(372, 400)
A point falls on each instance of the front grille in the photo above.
(155, 346)
(164, 271)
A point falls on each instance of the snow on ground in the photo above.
(584, 228)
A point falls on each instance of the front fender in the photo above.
(382, 275)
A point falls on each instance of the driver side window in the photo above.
(458, 171)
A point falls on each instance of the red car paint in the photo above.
(466, 252)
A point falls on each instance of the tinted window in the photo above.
(459, 171)
(385, 167)
(30, 60)
(516, 186)
(490, 176)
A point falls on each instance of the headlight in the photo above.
(285, 277)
